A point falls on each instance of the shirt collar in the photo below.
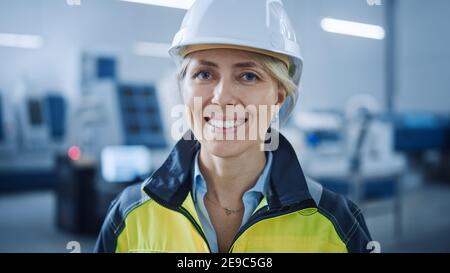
(198, 181)
(260, 186)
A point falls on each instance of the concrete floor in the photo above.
(27, 223)
(425, 222)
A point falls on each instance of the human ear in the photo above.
(281, 97)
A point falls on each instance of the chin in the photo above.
(226, 148)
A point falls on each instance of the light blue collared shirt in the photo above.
(251, 199)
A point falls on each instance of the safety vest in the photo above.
(296, 215)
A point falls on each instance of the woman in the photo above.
(225, 187)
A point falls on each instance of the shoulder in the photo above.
(346, 216)
(129, 199)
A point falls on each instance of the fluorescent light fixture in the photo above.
(20, 40)
(353, 28)
(178, 4)
(158, 50)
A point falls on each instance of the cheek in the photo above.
(195, 99)
(188, 100)
(264, 96)
(266, 108)
(187, 93)
(191, 94)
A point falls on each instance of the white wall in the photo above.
(337, 66)
(423, 60)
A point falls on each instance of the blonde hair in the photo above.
(276, 69)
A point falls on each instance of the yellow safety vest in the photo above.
(297, 215)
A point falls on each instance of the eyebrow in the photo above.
(208, 63)
(245, 65)
(238, 65)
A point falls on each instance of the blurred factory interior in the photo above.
(87, 88)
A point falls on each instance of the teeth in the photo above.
(225, 124)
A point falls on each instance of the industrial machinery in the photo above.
(424, 138)
(33, 129)
(118, 136)
(352, 153)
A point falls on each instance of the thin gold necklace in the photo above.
(228, 211)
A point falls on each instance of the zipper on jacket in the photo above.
(195, 224)
(263, 214)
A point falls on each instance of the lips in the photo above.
(225, 124)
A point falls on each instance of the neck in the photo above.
(229, 178)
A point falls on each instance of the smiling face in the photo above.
(231, 99)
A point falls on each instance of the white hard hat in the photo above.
(260, 26)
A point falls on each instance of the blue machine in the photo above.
(1, 119)
(56, 114)
(420, 132)
(96, 68)
(141, 118)
(32, 131)
(106, 68)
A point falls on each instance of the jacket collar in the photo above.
(171, 183)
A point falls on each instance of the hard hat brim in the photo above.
(201, 47)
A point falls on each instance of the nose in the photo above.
(224, 94)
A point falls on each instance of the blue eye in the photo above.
(203, 75)
(250, 77)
